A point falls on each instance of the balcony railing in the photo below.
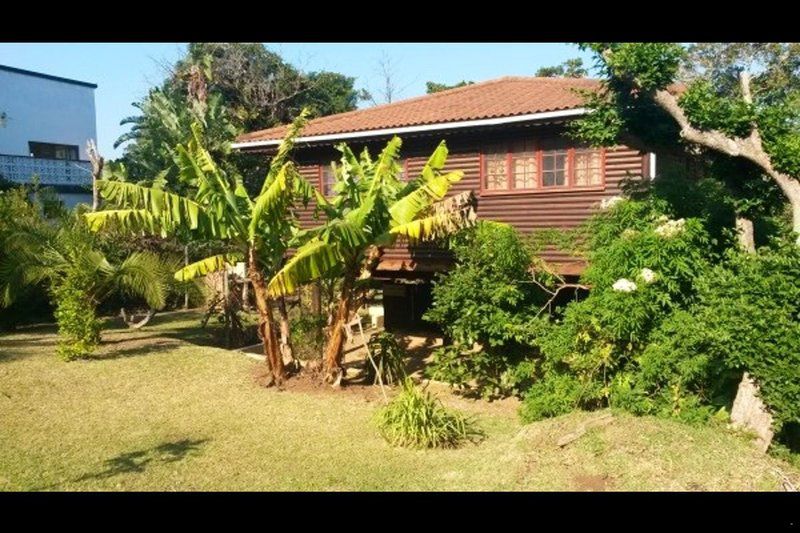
(21, 169)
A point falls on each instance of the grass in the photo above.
(154, 412)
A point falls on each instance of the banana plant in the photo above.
(371, 208)
(255, 230)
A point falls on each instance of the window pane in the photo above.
(328, 180)
(554, 164)
(495, 170)
(402, 175)
(588, 168)
(525, 171)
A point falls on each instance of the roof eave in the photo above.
(545, 115)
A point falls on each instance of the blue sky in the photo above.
(125, 71)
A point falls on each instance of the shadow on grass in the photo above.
(139, 460)
(149, 346)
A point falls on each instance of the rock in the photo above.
(750, 413)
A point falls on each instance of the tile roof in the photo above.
(503, 97)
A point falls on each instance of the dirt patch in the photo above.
(311, 382)
(592, 482)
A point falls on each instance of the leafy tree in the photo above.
(727, 107)
(489, 306)
(228, 88)
(370, 209)
(255, 230)
(435, 87)
(165, 121)
(571, 68)
(328, 93)
(63, 256)
(258, 87)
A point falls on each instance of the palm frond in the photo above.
(429, 191)
(285, 148)
(205, 266)
(386, 162)
(311, 261)
(271, 203)
(170, 210)
(447, 217)
(133, 220)
(141, 274)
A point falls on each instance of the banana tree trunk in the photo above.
(332, 365)
(266, 324)
(287, 351)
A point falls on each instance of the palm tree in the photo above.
(63, 255)
(371, 208)
(254, 230)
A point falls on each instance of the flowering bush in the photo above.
(672, 322)
(640, 274)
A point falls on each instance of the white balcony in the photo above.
(54, 172)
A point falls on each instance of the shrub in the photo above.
(488, 306)
(416, 419)
(78, 326)
(554, 395)
(644, 268)
(750, 313)
(673, 319)
(384, 363)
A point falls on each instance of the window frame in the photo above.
(73, 149)
(321, 177)
(569, 182)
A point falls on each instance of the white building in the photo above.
(48, 121)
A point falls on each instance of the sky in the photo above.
(125, 71)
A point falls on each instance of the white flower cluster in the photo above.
(629, 233)
(624, 285)
(670, 228)
(607, 203)
(648, 275)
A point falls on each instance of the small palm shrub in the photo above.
(384, 363)
(417, 419)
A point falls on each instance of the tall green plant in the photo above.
(255, 230)
(416, 419)
(371, 208)
(64, 257)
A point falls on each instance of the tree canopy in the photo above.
(435, 87)
(730, 101)
(571, 68)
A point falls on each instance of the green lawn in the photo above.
(154, 412)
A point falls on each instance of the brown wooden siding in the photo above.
(527, 211)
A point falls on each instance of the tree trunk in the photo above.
(246, 294)
(316, 304)
(130, 321)
(793, 192)
(749, 411)
(744, 228)
(332, 364)
(287, 351)
(266, 324)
